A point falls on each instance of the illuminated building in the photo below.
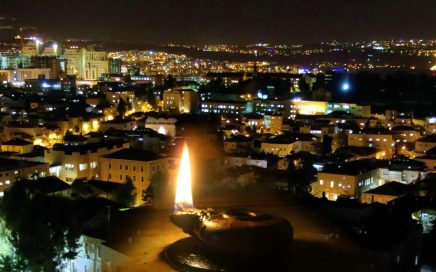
(57, 65)
(238, 144)
(114, 96)
(29, 50)
(384, 193)
(43, 84)
(429, 160)
(273, 123)
(94, 254)
(70, 162)
(19, 75)
(381, 140)
(310, 107)
(426, 143)
(405, 134)
(283, 146)
(223, 107)
(137, 165)
(84, 124)
(306, 107)
(24, 128)
(180, 100)
(86, 63)
(115, 66)
(120, 124)
(269, 106)
(430, 125)
(17, 145)
(166, 126)
(253, 120)
(353, 178)
(14, 61)
(12, 170)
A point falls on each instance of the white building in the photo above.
(86, 64)
(19, 75)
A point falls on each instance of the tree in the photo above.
(170, 82)
(151, 99)
(157, 188)
(44, 230)
(300, 178)
(126, 193)
(326, 146)
(121, 107)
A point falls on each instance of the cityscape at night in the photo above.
(218, 136)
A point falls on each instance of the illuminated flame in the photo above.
(184, 190)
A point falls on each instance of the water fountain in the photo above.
(231, 240)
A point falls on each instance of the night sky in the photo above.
(231, 21)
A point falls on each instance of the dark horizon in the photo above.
(225, 21)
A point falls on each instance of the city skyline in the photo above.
(239, 22)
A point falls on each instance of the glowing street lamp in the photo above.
(345, 86)
(38, 42)
(55, 48)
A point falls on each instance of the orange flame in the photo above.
(184, 190)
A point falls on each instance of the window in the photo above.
(332, 184)
(142, 179)
(142, 168)
(2, 194)
(94, 164)
(110, 166)
(121, 167)
(110, 176)
(121, 176)
(127, 167)
(83, 166)
(7, 182)
(134, 168)
(321, 182)
(69, 166)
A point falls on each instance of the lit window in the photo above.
(332, 184)
(321, 182)
(7, 182)
(83, 166)
(2, 194)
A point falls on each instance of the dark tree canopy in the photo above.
(43, 230)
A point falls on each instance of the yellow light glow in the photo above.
(184, 190)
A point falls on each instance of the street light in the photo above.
(38, 42)
(55, 48)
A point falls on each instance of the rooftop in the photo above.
(133, 155)
(355, 168)
(17, 142)
(390, 188)
(11, 164)
(88, 146)
(428, 139)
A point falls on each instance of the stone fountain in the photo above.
(231, 240)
